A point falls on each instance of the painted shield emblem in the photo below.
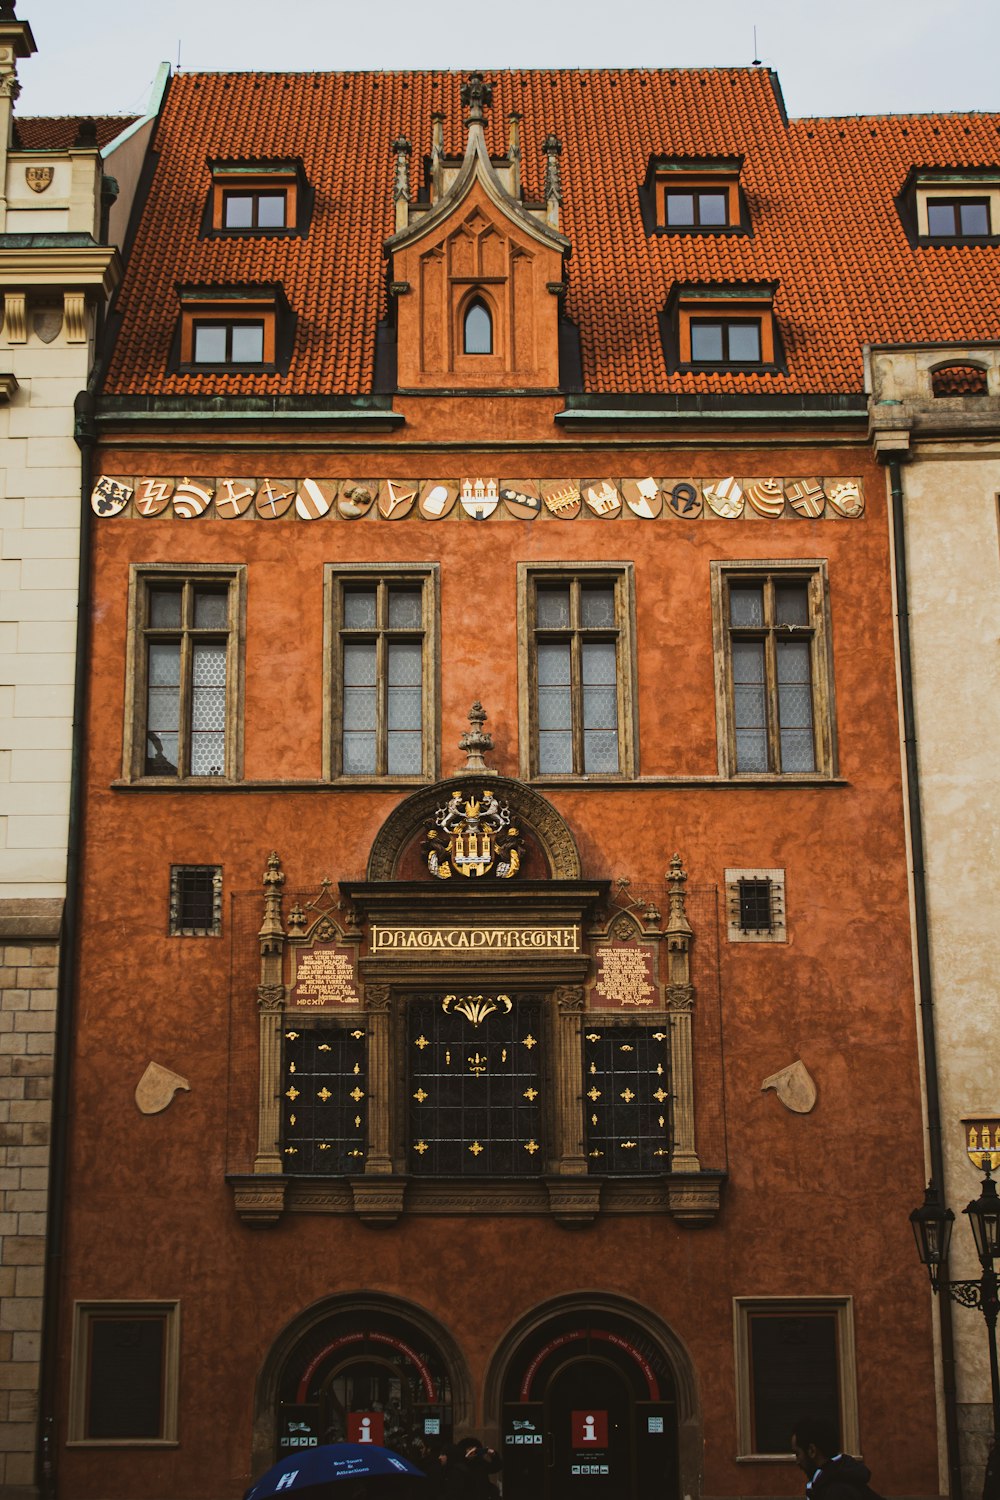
(234, 497)
(311, 502)
(602, 497)
(845, 496)
(39, 178)
(643, 498)
(806, 498)
(479, 497)
(562, 498)
(109, 496)
(191, 499)
(472, 836)
(356, 498)
(437, 498)
(153, 496)
(725, 498)
(765, 496)
(683, 499)
(521, 498)
(982, 1142)
(274, 498)
(396, 498)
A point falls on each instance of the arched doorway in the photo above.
(359, 1368)
(595, 1399)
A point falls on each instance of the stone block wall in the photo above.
(29, 958)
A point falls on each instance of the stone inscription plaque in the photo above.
(324, 975)
(625, 978)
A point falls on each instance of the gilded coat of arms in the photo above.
(39, 178)
(472, 838)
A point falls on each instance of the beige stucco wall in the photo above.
(950, 461)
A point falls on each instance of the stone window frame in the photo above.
(813, 571)
(175, 926)
(84, 1312)
(778, 931)
(335, 575)
(141, 577)
(842, 1309)
(622, 573)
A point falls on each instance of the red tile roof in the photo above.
(58, 132)
(820, 194)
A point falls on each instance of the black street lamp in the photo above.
(932, 1225)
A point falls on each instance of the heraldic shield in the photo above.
(473, 837)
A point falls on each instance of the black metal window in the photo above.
(125, 1378)
(794, 1368)
(755, 906)
(324, 1100)
(627, 1098)
(475, 1085)
(195, 900)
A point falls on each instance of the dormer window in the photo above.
(722, 327)
(258, 198)
(478, 329)
(694, 195)
(951, 205)
(234, 328)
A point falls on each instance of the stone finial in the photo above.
(401, 182)
(474, 742)
(552, 150)
(678, 927)
(514, 153)
(477, 96)
(271, 931)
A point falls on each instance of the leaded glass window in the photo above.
(186, 639)
(772, 642)
(627, 1099)
(324, 1101)
(577, 675)
(383, 677)
(475, 1085)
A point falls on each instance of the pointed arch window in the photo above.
(477, 328)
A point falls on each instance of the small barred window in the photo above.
(195, 900)
(755, 905)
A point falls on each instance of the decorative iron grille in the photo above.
(627, 1096)
(324, 1100)
(475, 1085)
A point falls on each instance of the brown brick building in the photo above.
(549, 1085)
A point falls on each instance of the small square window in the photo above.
(730, 341)
(125, 1373)
(958, 218)
(257, 198)
(702, 209)
(253, 210)
(195, 900)
(755, 906)
(695, 195)
(228, 343)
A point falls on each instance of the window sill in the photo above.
(693, 1199)
(765, 1458)
(122, 1443)
(745, 782)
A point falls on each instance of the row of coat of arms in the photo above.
(478, 499)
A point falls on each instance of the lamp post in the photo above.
(932, 1225)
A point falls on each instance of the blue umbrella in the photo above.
(312, 1472)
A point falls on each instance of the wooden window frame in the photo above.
(143, 579)
(250, 181)
(337, 577)
(922, 188)
(228, 314)
(726, 313)
(813, 572)
(956, 202)
(727, 185)
(622, 576)
(84, 1314)
(842, 1309)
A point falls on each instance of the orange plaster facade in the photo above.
(798, 1211)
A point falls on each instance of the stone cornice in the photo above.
(96, 267)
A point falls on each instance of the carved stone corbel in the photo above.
(75, 317)
(259, 1202)
(15, 317)
(574, 1203)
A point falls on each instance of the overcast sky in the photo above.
(833, 57)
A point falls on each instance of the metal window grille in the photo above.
(324, 1100)
(475, 1086)
(196, 900)
(627, 1097)
(756, 913)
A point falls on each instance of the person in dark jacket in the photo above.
(469, 1470)
(830, 1474)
